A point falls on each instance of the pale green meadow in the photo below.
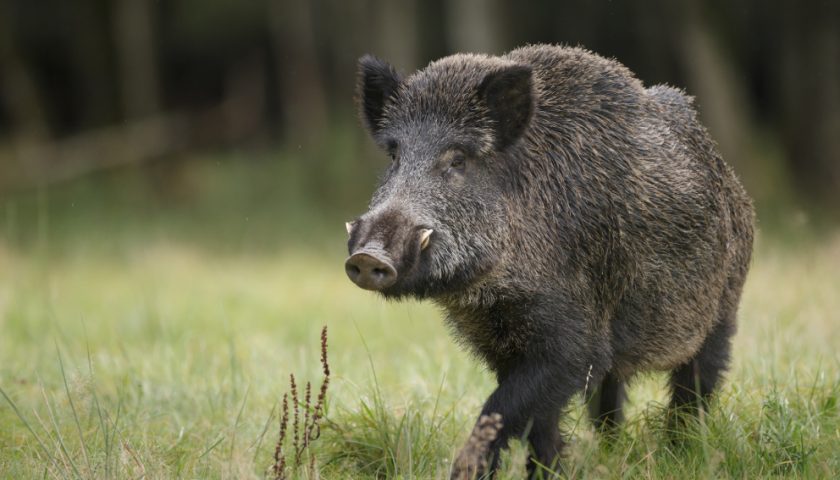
(128, 352)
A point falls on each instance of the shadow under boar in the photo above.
(575, 226)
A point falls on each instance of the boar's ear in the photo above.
(377, 82)
(509, 99)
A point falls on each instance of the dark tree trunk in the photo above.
(301, 87)
(811, 99)
(134, 33)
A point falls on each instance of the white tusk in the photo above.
(349, 227)
(424, 238)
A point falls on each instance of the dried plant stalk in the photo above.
(296, 406)
(472, 459)
(280, 459)
(302, 434)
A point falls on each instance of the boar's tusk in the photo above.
(349, 227)
(425, 234)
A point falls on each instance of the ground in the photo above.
(157, 355)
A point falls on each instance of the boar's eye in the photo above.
(392, 150)
(457, 162)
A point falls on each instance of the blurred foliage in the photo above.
(233, 203)
(146, 87)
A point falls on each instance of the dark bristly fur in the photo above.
(583, 225)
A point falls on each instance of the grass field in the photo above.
(130, 351)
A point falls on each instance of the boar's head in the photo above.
(438, 220)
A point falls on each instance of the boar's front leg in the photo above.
(529, 398)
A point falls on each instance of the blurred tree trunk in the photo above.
(721, 97)
(20, 94)
(473, 26)
(811, 99)
(301, 88)
(89, 51)
(397, 24)
(134, 34)
(18, 87)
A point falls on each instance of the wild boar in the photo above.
(575, 226)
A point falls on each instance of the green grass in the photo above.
(155, 341)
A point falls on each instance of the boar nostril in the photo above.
(370, 271)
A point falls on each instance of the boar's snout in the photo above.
(370, 270)
(385, 250)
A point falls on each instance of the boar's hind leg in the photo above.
(605, 404)
(694, 382)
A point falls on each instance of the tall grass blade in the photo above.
(31, 430)
(73, 410)
(58, 434)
